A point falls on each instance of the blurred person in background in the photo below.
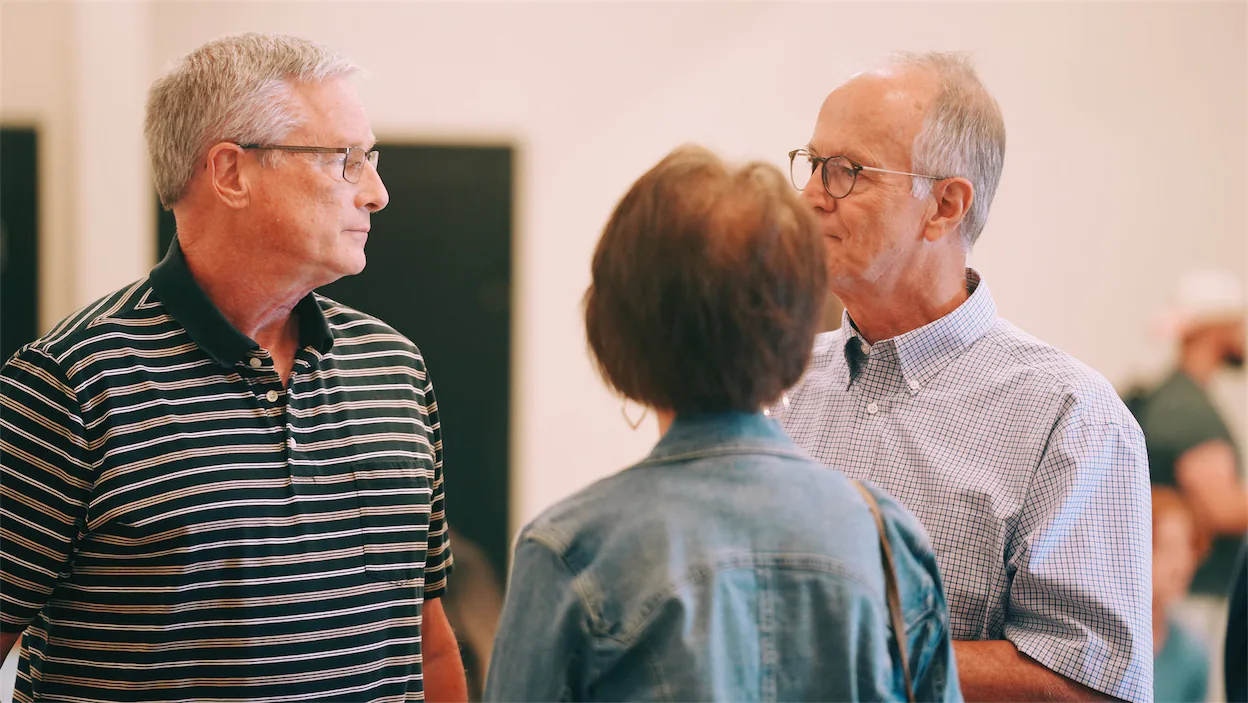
(1181, 662)
(1190, 446)
(1235, 656)
(727, 565)
(473, 603)
(220, 485)
(1010, 452)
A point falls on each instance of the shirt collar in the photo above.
(178, 291)
(692, 434)
(923, 352)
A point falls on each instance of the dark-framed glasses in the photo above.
(352, 164)
(839, 173)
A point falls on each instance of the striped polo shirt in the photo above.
(178, 525)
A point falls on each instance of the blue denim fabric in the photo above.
(728, 565)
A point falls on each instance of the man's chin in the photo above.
(357, 267)
(346, 266)
(352, 260)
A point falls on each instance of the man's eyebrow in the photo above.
(815, 152)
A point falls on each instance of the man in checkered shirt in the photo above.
(1022, 464)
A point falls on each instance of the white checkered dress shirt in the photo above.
(1023, 465)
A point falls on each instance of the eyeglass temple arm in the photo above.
(901, 173)
(824, 160)
(299, 149)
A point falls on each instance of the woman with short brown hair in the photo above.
(728, 564)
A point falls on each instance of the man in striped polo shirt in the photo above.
(218, 484)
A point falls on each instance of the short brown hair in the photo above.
(708, 284)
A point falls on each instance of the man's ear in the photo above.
(953, 197)
(227, 173)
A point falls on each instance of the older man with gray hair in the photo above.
(1022, 464)
(218, 484)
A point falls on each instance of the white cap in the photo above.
(1203, 297)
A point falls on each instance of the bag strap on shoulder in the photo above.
(890, 586)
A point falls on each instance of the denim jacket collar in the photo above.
(728, 432)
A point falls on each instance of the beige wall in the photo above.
(1127, 153)
(35, 91)
(79, 73)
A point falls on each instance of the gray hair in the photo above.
(962, 135)
(236, 89)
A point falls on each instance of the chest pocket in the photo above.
(394, 501)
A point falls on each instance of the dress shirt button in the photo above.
(914, 385)
(272, 396)
(255, 362)
(873, 408)
(866, 348)
(767, 412)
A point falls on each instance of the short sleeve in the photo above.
(1081, 590)
(46, 480)
(438, 559)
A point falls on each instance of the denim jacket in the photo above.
(728, 565)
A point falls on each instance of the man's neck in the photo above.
(255, 300)
(896, 306)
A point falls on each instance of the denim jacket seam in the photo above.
(819, 563)
(586, 589)
(661, 681)
(922, 615)
(581, 582)
(550, 538)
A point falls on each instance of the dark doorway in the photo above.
(19, 239)
(439, 271)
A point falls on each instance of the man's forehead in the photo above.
(329, 133)
(884, 97)
(873, 112)
(334, 115)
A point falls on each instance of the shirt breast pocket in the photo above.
(394, 501)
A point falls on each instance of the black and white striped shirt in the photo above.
(179, 525)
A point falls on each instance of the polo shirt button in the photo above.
(272, 396)
(293, 444)
(873, 408)
(255, 362)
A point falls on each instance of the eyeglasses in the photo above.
(352, 165)
(840, 173)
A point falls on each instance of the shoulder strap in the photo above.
(890, 587)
